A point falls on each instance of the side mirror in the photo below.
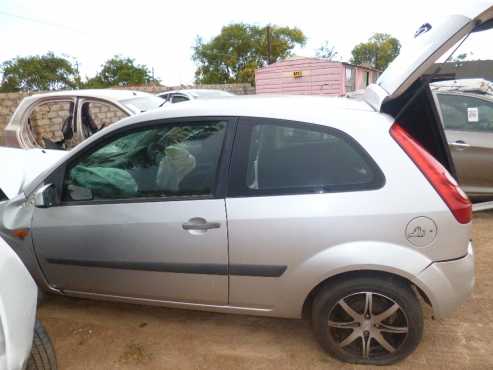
(78, 193)
(45, 196)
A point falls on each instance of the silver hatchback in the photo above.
(345, 210)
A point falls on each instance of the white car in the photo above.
(178, 96)
(62, 119)
(19, 348)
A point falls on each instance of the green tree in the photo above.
(378, 52)
(234, 54)
(120, 71)
(327, 51)
(38, 73)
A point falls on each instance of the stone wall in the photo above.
(47, 120)
(8, 104)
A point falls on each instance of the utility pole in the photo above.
(269, 44)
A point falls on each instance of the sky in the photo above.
(160, 34)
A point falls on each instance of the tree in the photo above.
(38, 73)
(327, 51)
(120, 71)
(234, 54)
(378, 52)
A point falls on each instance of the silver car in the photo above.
(273, 206)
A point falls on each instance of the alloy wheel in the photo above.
(368, 325)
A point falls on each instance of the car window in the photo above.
(462, 112)
(179, 99)
(51, 124)
(96, 115)
(178, 159)
(290, 158)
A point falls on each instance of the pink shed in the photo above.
(312, 76)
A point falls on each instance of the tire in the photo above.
(343, 324)
(42, 353)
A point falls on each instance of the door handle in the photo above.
(201, 226)
(460, 144)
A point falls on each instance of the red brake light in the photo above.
(438, 176)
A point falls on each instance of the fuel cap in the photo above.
(421, 231)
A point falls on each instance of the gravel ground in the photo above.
(101, 335)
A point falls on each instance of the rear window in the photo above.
(295, 158)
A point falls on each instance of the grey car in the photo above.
(467, 112)
(273, 206)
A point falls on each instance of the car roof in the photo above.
(476, 86)
(107, 94)
(316, 109)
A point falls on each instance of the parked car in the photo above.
(466, 107)
(24, 343)
(60, 120)
(273, 206)
(178, 96)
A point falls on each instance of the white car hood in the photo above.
(20, 166)
(432, 40)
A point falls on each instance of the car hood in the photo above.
(20, 166)
(431, 41)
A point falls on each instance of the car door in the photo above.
(468, 122)
(288, 192)
(141, 215)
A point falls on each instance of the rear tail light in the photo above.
(438, 176)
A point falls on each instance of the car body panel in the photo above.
(431, 41)
(473, 157)
(18, 298)
(134, 249)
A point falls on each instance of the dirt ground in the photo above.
(100, 335)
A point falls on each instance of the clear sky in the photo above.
(160, 34)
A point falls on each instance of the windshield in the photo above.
(143, 104)
(211, 94)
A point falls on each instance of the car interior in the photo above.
(157, 162)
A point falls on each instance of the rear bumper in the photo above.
(449, 283)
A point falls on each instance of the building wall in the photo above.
(319, 77)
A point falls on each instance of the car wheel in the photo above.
(42, 353)
(368, 320)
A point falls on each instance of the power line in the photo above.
(40, 21)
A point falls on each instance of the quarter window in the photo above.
(281, 157)
(163, 161)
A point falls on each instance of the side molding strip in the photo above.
(180, 268)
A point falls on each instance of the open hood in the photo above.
(20, 166)
(431, 41)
